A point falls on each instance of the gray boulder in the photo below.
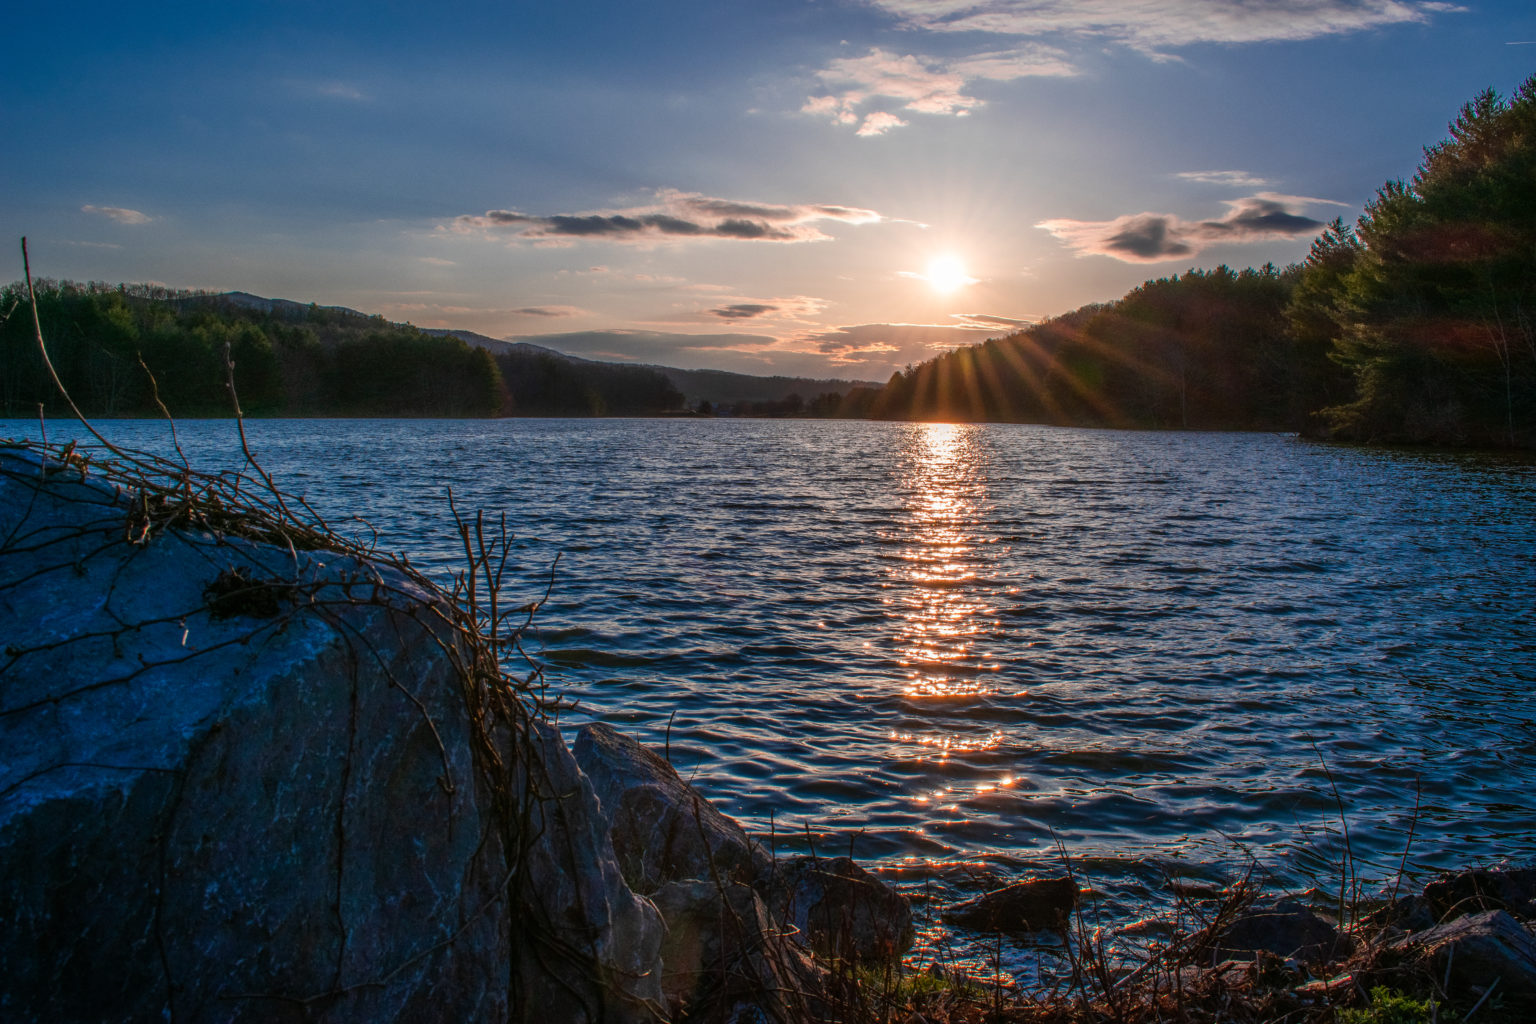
(841, 910)
(736, 920)
(663, 829)
(1479, 949)
(727, 960)
(240, 782)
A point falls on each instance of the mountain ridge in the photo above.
(705, 385)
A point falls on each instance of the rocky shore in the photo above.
(252, 773)
(247, 779)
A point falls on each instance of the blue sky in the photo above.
(835, 187)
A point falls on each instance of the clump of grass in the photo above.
(1389, 1006)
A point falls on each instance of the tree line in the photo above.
(123, 350)
(1416, 325)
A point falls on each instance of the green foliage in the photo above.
(1391, 1007)
(1435, 314)
(107, 343)
(545, 384)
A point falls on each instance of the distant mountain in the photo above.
(496, 346)
(718, 387)
(722, 387)
(286, 308)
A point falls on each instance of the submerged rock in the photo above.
(241, 783)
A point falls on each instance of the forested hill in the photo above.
(1418, 325)
(120, 347)
(120, 350)
(1205, 350)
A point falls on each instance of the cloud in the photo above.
(1154, 25)
(887, 345)
(878, 123)
(1158, 237)
(744, 311)
(791, 309)
(328, 88)
(340, 91)
(1231, 179)
(121, 214)
(549, 311)
(437, 261)
(989, 321)
(675, 216)
(648, 346)
(923, 85)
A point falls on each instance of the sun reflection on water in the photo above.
(937, 606)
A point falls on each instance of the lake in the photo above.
(967, 652)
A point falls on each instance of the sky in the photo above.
(829, 188)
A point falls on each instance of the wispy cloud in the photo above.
(333, 89)
(121, 214)
(887, 343)
(1154, 25)
(648, 346)
(791, 309)
(675, 216)
(923, 85)
(989, 321)
(436, 261)
(1158, 237)
(1232, 179)
(340, 91)
(550, 311)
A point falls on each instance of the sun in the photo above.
(946, 273)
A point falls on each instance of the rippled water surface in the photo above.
(988, 645)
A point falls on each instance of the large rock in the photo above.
(727, 960)
(840, 910)
(1285, 928)
(1033, 905)
(1479, 949)
(663, 829)
(736, 920)
(1454, 894)
(239, 782)
(1478, 889)
(585, 947)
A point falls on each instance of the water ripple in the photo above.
(1161, 653)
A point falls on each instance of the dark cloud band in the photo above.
(1156, 237)
(676, 216)
(743, 311)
